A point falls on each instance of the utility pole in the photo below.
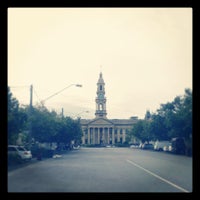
(31, 96)
(62, 113)
(30, 113)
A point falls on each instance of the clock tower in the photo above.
(100, 99)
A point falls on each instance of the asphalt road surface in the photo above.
(105, 170)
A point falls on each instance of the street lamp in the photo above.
(77, 85)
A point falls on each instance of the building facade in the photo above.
(102, 130)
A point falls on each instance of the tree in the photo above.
(69, 130)
(43, 124)
(17, 118)
(176, 119)
(173, 119)
(186, 113)
(48, 127)
(77, 131)
(159, 129)
(177, 115)
(138, 130)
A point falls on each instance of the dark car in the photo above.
(178, 145)
(148, 146)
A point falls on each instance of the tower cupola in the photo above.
(100, 99)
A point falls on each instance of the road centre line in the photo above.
(157, 176)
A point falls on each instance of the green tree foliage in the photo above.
(43, 124)
(186, 113)
(159, 130)
(173, 119)
(68, 130)
(77, 133)
(141, 131)
(178, 115)
(50, 127)
(17, 118)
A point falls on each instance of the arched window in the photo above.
(100, 87)
(101, 107)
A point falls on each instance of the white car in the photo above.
(76, 147)
(167, 147)
(159, 145)
(136, 145)
(19, 151)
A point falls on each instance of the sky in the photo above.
(144, 54)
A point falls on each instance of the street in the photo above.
(105, 170)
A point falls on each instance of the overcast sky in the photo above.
(145, 56)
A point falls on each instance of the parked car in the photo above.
(76, 146)
(166, 148)
(159, 145)
(178, 145)
(148, 146)
(135, 145)
(19, 152)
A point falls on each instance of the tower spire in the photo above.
(100, 68)
(100, 99)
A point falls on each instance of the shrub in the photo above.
(42, 152)
(121, 145)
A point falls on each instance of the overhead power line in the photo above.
(37, 95)
(19, 86)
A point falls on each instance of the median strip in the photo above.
(157, 176)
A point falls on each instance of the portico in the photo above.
(105, 131)
(103, 135)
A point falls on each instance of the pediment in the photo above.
(100, 121)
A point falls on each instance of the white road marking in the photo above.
(157, 176)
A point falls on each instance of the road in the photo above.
(105, 170)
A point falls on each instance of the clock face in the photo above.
(101, 96)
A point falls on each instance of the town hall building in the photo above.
(101, 130)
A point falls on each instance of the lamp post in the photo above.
(77, 85)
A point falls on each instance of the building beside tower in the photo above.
(102, 130)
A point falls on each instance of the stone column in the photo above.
(108, 135)
(93, 133)
(118, 135)
(98, 135)
(113, 135)
(83, 137)
(103, 135)
(88, 135)
(123, 135)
